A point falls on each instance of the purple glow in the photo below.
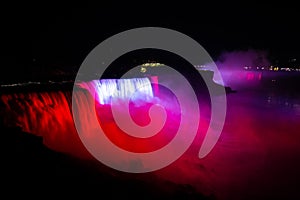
(231, 66)
(255, 158)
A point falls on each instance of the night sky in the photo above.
(43, 36)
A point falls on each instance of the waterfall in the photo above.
(48, 114)
(108, 90)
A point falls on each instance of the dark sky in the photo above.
(62, 35)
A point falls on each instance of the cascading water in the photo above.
(45, 114)
(107, 90)
(256, 138)
(49, 114)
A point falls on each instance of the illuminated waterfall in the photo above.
(108, 90)
(49, 114)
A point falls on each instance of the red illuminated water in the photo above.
(257, 156)
(49, 114)
(46, 114)
(140, 115)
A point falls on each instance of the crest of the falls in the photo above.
(108, 90)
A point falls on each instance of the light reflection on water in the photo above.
(277, 92)
(256, 157)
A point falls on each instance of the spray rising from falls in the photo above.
(49, 114)
(232, 67)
